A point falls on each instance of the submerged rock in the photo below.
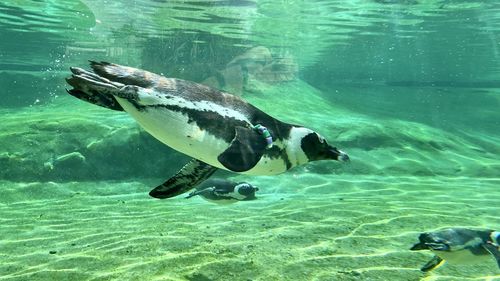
(73, 158)
(256, 65)
(57, 143)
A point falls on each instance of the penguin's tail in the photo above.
(94, 89)
(125, 75)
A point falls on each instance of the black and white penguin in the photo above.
(217, 129)
(459, 245)
(224, 191)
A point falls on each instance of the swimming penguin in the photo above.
(217, 129)
(225, 191)
(459, 245)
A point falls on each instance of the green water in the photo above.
(410, 89)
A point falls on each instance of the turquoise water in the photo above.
(410, 89)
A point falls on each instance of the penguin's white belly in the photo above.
(462, 257)
(268, 166)
(172, 128)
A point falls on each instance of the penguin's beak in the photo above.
(343, 157)
(339, 155)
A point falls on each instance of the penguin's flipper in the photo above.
(493, 250)
(222, 191)
(192, 174)
(192, 194)
(434, 263)
(245, 150)
(200, 192)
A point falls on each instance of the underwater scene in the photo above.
(208, 140)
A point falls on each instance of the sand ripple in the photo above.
(335, 228)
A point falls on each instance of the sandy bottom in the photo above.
(321, 221)
(303, 226)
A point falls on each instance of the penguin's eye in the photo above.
(320, 138)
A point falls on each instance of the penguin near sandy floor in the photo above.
(459, 246)
(224, 191)
(217, 129)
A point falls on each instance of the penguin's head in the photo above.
(315, 147)
(495, 237)
(246, 189)
(431, 241)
